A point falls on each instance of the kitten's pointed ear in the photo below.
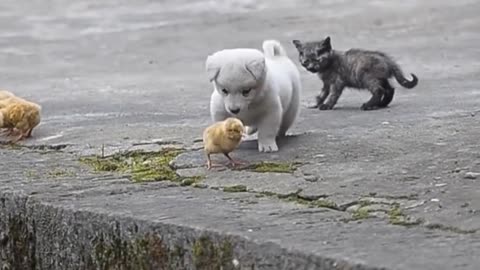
(256, 68)
(212, 69)
(326, 43)
(297, 43)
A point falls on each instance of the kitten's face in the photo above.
(314, 56)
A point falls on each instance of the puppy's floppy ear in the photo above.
(212, 69)
(256, 68)
(297, 43)
(326, 43)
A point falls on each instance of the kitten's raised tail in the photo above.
(272, 48)
(397, 72)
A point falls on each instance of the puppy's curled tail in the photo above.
(397, 72)
(272, 48)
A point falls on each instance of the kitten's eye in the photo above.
(225, 91)
(301, 54)
(246, 92)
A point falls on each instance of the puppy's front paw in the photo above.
(267, 146)
(324, 107)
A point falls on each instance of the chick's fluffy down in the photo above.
(20, 115)
(223, 137)
(5, 94)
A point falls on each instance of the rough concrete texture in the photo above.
(396, 188)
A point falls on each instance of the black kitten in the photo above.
(354, 68)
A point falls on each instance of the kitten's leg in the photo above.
(377, 92)
(322, 96)
(388, 95)
(335, 93)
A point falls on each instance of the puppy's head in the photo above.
(314, 56)
(237, 75)
(234, 128)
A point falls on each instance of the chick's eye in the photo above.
(225, 91)
(246, 92)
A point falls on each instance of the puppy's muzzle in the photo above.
(234, 110)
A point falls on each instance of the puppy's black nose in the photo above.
(235, 111)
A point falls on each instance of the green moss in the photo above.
(236, 188)
(141, 166)
(145, 252)
(191, 181)
(18, 242)
(210, 255)
(361, 213)
(274, 167)
(397, 217)
(31, 174)
(319, 203)
(58, 173)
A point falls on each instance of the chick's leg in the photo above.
(209, 163)
(7, 131)
(19, 138)
(234, 162)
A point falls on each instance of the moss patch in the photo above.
(274, 167)
(318, 203)
(397, 217)
(141, 166)
(236, 188)
(146, 252)
(360, 213)
(59, 173)
(210, 255)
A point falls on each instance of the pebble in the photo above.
(472, 175)
(434, 200)
(310, 178)
(199, 185)
(441, 185)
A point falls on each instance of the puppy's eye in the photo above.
(246, 92)
(225, 91)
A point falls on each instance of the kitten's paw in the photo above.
(325, 107)
(267, 146)
(368, 107)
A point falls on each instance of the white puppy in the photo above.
(260, 89)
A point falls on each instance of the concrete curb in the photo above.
(39, 235)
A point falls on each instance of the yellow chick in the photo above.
(5, 94)
(20, 116)
(223, 137)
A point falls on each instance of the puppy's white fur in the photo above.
(264, 87)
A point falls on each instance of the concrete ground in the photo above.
(402, 183)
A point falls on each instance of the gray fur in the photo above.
(355, 68)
